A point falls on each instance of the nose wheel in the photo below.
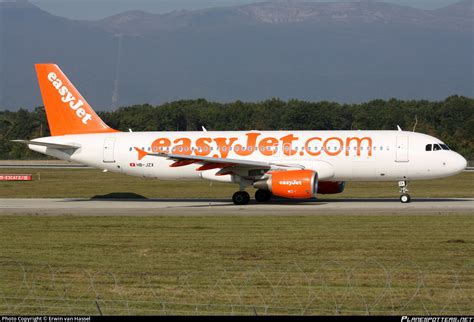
(404, 196)
(241, 198)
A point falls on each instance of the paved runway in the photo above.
(216, 207)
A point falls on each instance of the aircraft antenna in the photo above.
(416, 122)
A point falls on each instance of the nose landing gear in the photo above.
(404, 196)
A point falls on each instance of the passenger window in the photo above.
(428, 147)
(436, 147)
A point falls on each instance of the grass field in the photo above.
(61, 183)
(403, 264)
(237, 265)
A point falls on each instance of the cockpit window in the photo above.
(428, 147)
(436, 147)
(444, 147)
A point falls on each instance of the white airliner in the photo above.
(289, 164)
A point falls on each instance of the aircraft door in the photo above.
(109, 145)
(402, 149)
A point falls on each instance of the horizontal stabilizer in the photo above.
(49, 145)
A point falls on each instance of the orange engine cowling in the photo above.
(330, 187)
(297, 184)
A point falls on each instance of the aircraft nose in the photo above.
(458, 163)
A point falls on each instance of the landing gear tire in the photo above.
(241, 198)
(263, 195)
(405, 198)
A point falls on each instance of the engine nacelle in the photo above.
(297, 184)
(330, 187)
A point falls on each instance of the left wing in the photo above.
(208, 163)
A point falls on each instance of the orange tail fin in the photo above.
(67, 111)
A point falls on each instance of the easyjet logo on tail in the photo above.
(67, 97)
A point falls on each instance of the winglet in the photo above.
(141, 153)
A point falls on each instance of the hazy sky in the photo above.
(96, 9)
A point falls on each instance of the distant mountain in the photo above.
(463, 10)
(347, 52)
(30, 35)
(458, 16)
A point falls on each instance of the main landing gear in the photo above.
(404, 196)
(263, 195)
(241, 198)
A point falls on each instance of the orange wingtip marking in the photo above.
(141, 153)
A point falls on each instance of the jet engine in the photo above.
(330, 187)
(296, 184)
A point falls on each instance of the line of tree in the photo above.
(451, 120)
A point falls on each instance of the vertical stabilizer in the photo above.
(67, 111)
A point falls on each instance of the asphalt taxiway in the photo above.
(224, 207)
